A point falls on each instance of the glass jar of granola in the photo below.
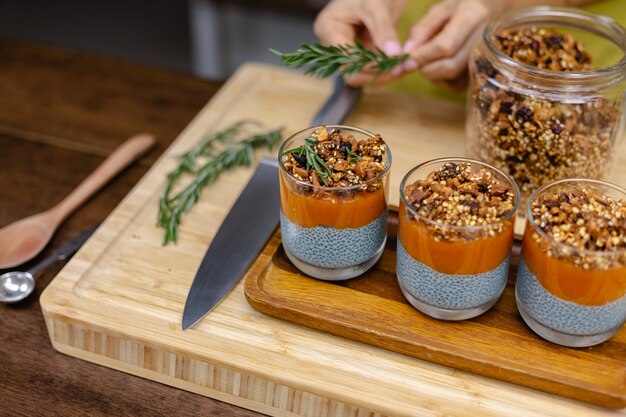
(334, 183)
(540, 106)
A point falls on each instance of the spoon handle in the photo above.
(65, 250)
(129, 151)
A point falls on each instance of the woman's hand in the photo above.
(372, 21)
(440, 43)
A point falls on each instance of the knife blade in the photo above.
(251, 222)
(242, 235)
(339, 105)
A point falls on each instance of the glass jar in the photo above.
(541, 125)
(570, 295)
(333, 233)
(447, 271)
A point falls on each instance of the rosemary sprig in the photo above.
(313, 160)
(215, 161)
(323, 61)
(352, 157)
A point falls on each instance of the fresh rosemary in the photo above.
(206, 161)
(308, 152)
(345, 60)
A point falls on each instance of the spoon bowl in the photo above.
(15, 286)
(23, 239)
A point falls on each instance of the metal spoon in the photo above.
(23, 239)
(17, 285)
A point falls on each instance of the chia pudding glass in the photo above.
(455, 270)
(571, 278)
(334, 232)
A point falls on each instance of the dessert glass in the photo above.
(452, 272)
(570, 296)
(333, 233)
(537, 124)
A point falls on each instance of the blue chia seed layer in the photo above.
(327, 247)
(565, 316)
(449, 291)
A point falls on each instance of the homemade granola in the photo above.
(455, 196)
(534, 139)
(582, 219)
(330, 159)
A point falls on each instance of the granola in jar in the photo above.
(532, 113)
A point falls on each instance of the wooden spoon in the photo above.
(22, 240)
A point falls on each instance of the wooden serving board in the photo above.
(119, 301)
(371, 309)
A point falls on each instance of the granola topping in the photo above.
(332, 159)
(545, 49)
(582, 219)
(454, 195)
(534, 139)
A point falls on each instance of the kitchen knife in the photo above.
(250, 223)
(339, 105)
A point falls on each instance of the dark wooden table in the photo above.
(61, 113)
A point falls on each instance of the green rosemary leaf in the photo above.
(216, 159)
(345, 60)
(352, 157)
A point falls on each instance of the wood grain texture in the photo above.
(43, 156)
(371, 309)
(124, 284)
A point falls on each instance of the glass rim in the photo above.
(531, 219)
(616, 70)
(302, 183)
(508, 215)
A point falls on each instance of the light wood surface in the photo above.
(119, 301)
(371, 309)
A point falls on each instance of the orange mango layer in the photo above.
(309, 210)
(461, 258)
(572, 283)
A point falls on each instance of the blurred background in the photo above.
(208, 38)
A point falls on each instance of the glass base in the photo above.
(444, 313)
(560, 338)
(335, 274)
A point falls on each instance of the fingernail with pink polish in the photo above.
(392, 48)
(396, 71)
(409, 65)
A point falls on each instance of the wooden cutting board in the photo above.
(119, 301)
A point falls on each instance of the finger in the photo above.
(362, 79)
(459, 28)
(378, 21)
(334, 29)
(454, 86)
(450, 68)
(431, 23)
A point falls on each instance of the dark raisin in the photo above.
(485, 67)
(564, 197)
(524, 114)
(503, 132)
(506, 107)
(551, 203)
(449, 170)
(535, 45)
(554, 41)
(556, 129)
(300, 160)
(483, 188)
